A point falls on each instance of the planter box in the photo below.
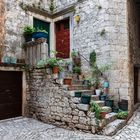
(85, 99)
(37, 35)
(109, 103)
(78, 94)
(115, 109)
(123, 105)
(102, 97)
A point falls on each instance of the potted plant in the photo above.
(76, 58)
(123, 105)
(102, 97)
(67, 81)
(27, 32)
(40, 33)
(69, 66)
(85, 99)
(77, 70)
(122, 115)
(53, 63)
(61, 72)
(78, 94)
(103, 113)
(109, 102)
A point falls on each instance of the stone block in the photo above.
(83, 107)
(76, 100)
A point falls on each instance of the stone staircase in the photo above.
(110, 125)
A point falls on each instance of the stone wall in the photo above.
(103, 28)
(49, 101)
(2, 22)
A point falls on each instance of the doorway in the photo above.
(39, 24)
(10, 94)
(62, 30)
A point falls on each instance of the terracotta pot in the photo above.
(67, 81)
(55, 70)
(102, 115)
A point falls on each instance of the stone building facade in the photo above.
(106, 26)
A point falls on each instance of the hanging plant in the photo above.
(52, 6)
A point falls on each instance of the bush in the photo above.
(122, 115)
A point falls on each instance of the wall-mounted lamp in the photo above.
(77, 18)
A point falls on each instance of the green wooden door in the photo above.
(39, 24)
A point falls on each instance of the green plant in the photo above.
(92, 58)
(73, 53)
(77, 70)
(28, 29)
(52, 6)
(41, 30)
(103, 32)
(96, 108)
(52, 62)
(122, 115)
(41, 64)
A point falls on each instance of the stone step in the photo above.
(87, 92)
(83, 107)
(100, 103)
(77, 82)
(78, 87)
(94, 97)
(108, 109)
(110, 117)
(113, 127)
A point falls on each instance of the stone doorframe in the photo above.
(18, 69)
(52, 22)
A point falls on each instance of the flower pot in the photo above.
(55, 70)
(37, 35)
(115, 109)
(102, 115)
(102, 97)
(13, 60)
(77, 61)
(67, 81)
(28, 37)
(85, 99)
(61, 74)
(70, 67)
(78, 94)
(109, 103)
(98, 92)
(6, 60)
(123, 105)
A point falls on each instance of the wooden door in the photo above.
(63, 39)
(136, 72)
(10, 94)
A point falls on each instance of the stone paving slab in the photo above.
(30, 129)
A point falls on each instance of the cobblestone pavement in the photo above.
(132, 130)
(30, 129)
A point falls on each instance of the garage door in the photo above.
(10, 94)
